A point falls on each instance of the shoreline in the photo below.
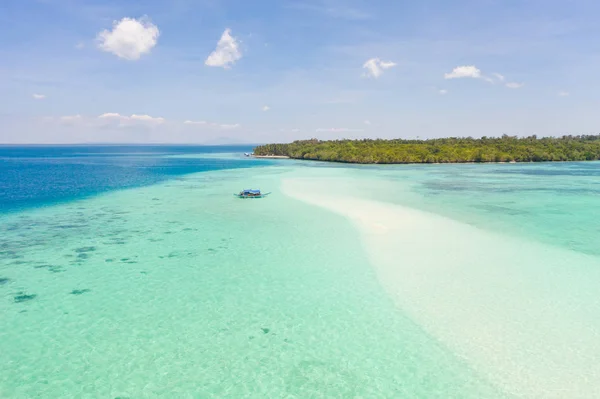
(415, 163)
(270, 156)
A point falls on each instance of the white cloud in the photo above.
(443, 91)
(111, 115)
(367, 122)
(129, 38)
(226, 53)
(132, 120)
(337, 130)
(188, 122)
(227, 127)
(466, 71)
(375, 67)
(499, 77)
(266, 108)
(563, 93)
(39, 96)
(147, 119)
(514, 85)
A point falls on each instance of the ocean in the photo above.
(133, 272)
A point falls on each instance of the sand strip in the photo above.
(523, 314)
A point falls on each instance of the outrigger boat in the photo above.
(251, 194)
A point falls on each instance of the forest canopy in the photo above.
(445, 150)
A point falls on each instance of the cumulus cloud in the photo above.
(39, 96)
(129, 38)
(563, 93)
(227, 52)
(514, 85)
(466, 71)
(443, 91)
(266, 108)
(375, 67)
(189, 122)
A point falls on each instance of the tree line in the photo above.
(444, 150)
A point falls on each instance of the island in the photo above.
(443, 150)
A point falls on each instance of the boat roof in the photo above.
(251, 191)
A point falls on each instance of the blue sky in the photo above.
(76, 71)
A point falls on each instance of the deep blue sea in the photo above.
(32, 176)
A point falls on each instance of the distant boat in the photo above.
(251, 194)
(248, 154)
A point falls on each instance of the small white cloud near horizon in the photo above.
(132, 120)
(443, 91)
(465, 71)
(39, 96)
(563, 93)
(375, 67)
(130, 38)
(266, 108)
(223, 126)
(515, 85)
(229, 126)
(367, 122)
(336, 130)
(499, 76)
(227, 52)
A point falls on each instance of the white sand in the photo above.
(525, 315)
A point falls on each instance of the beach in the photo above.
(319, 290)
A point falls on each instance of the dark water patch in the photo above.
(109, 260)
(501, 209)
(82, 257)
(10, 255)
(180, 254)
(82, 250)
(80, 292)
(20, 262)
(4, 280)
(155, 239)
(155, 199)
(21, 297)
(265, 330)
(168, 232)
(70, 226)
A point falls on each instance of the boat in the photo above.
(251, 194)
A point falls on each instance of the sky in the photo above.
(239, 71)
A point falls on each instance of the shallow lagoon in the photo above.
(180, 289)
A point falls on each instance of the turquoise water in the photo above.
(178, 289)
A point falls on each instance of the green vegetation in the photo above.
(448, 150)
